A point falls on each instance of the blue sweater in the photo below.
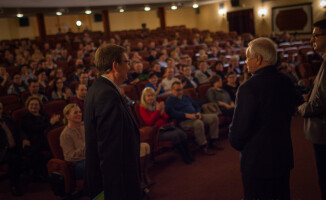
(176, 108)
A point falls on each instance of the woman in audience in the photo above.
(72, 139)
(58, 73)
(153, 114)
(42, 80)
(34, 124)
(231, 86)
(220, 96)
(60, 91)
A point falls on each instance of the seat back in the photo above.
(54, 142)
(191, 92)
(130, 91)
(17, 115)
(55, 107)
(202, 89)
(10, 103)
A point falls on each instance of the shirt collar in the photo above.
(115, 85)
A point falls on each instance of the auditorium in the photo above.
(188, 66)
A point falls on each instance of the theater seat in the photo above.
(18, 114)
(130, 91)
(55, 107)
(10, 103)
(202, 90)
(58, 164)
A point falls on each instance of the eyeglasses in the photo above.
(317, 35)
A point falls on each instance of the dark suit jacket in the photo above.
(112, 144)
(188, 82)
(260, 129)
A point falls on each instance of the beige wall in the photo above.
(185, 16)
(208, 19)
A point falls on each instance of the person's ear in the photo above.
(114, 66)
(259, 59)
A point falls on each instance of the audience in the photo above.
(203, 74)
(187, 80)
(153, 113)
(154, 84)
(169, 79)
(231, 85)
(18, 86)
(34, 90)
(188, 114)
(60, 91)
(220, 96)
(81, 91)
(72, 139)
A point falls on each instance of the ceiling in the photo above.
(9, 8)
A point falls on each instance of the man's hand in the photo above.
(190, 116)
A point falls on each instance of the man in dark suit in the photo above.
(314, 110)
(260, 129)
(112, 137)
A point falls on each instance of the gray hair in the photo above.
(264, 47)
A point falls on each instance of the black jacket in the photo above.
(260, 129)
(112, 144)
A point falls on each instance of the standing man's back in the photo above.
(260, 129)
(112, 137)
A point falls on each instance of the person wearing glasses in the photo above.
(188, 115)
(261, 123)
(314, 110)
(112, 138)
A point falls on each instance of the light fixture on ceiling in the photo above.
(262, 12)
(88, 11)
(147, 8)
(174, 6)
(121, 9)
(195, 4)
(59, 13)
(20, 14)
(79, 23)
(322, 3)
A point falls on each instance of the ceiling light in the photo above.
(222, 11)
(58, 13)
(88, 11)
(78, 23)
(147, 8)
(20, 15)
(195, 5)
(121, 10)
(262, 12)
(174, 7)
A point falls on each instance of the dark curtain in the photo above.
(241, 21)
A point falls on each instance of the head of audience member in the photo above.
(140, 45)
(113, 61)
(81, 91)
(234, 61)
(64, 53)
(318, 38)
(156, 67)
(162, 57)
(33, 87)
(219, 66)
(3, 71)
(170, 62)
(202, 66)
(138, 67)
(58, 46)
(72, 115)
(16, 78)
(79, 61)
(152, 78)
(33, 104)
(46, 46)
(169, 72)
(184, 42)
(151, 45)
(83, 78)
(186, 71)
(217, 82)
(153, 52)
(58, 84)
(58, 73)
(261, 52)
(148, 98)
(177, 89)
(41, 75)
(231, 78)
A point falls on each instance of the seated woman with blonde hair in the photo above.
(153, 114)
(72, 139)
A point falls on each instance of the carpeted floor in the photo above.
(209, 178)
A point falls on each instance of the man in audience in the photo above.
(182, 108)
(161, 60)
(34, 89)
(139, 74)
(4, 76)
(83, 79)
(203, 74)
(314, 110)
(18, 86)
(260, 129)
(169, 78)
(81, 91)
(153, 56)
(187, 80)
